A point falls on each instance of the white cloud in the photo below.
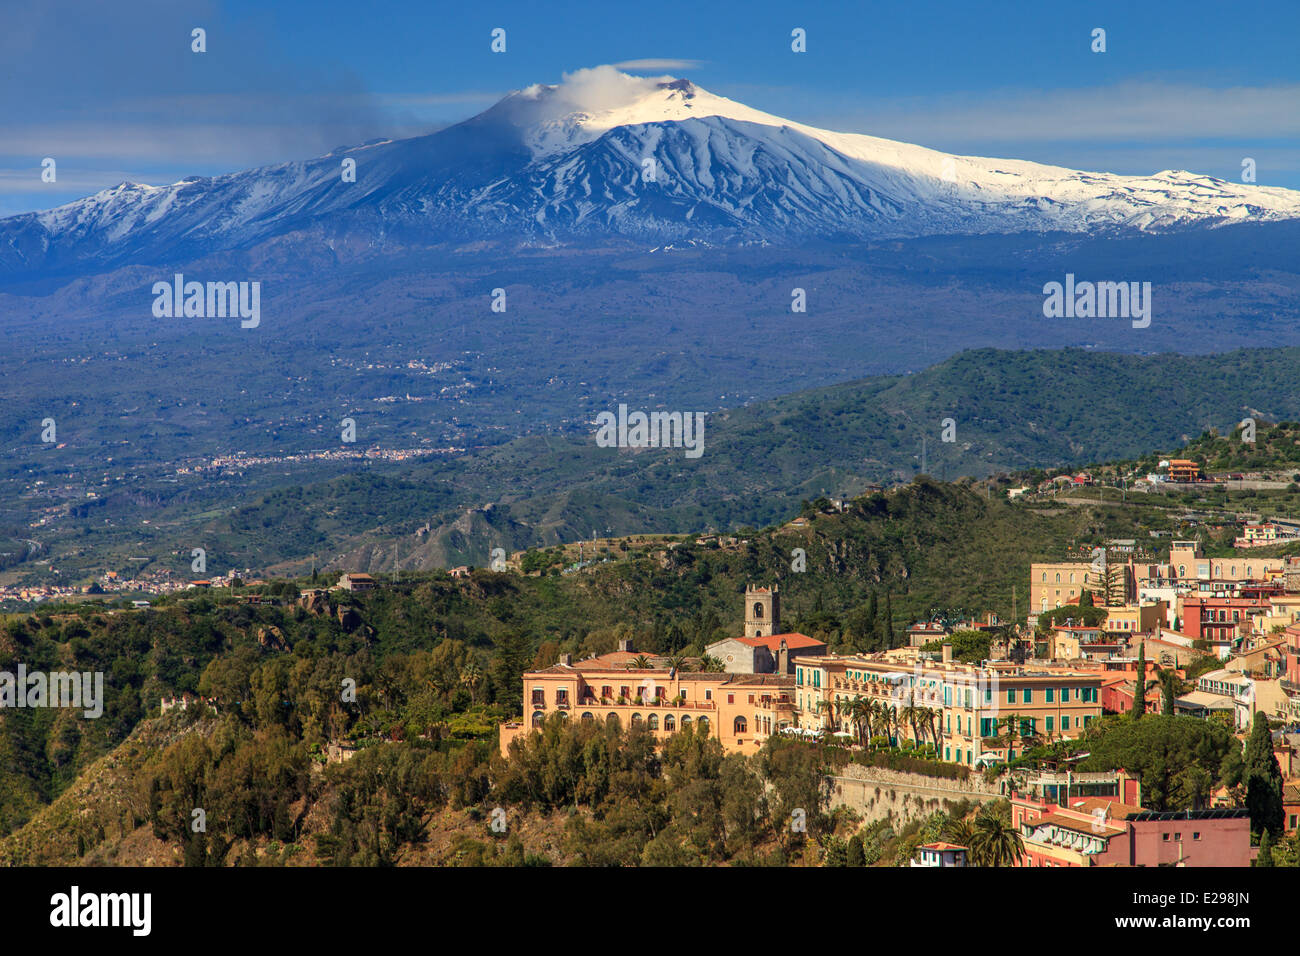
(659, 64)
(604, 88)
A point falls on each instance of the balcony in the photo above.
(660, 705)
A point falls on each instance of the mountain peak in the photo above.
(589, 102)
(569, 161)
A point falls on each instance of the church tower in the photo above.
(762, 611)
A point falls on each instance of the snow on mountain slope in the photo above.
(609, 155)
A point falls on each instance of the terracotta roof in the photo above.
(1090, 827)
(1114, 808)
(792, 641)
(942, 846)
(761, 680)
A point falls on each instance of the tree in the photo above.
(1113, 587)
(912, 716)
(1159, 750)
(1012, 722)
(1171, 685)
(959, 831)
(995, 842)
(1140, 685)
(856, 855)
(1265, 857)
(1263, 779)
(834, 852)
(860, 716)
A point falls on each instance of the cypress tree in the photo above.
(1263, 779)
(889, 619)
(872, 640)
(1140, 690)
(1265, 857)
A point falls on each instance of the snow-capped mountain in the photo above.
(607, 155)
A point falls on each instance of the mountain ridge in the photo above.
(609, 156)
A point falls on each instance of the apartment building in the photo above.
(1102, 831)
(973, 714)
(1218, 619)
(1129, 619)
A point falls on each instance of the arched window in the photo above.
(758, 610)
(739, 726)
(1044, 577)
(538, 718)
(704, 724)
(653, 722)
(670, 723)
(1182, 570)
(612, 720)
(636, 718)
(588, 717)
(1071, 577)
(1058, 577)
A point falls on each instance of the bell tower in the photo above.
(762, 611)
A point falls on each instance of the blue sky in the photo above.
(112, 91)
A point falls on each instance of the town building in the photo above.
(356, 582)
(740, 710)
(1059, 584)
(971, 714)
(764, 655)
(1182, 469)
(1106, 831)
(762, 611)
(940, 854)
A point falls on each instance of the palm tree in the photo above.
(639, 663)
(959, 831)
(995, 842)
(824, 706)
(889, 719)
(934, 718)
(711, 665)
(912, 715)
(470, 677)
(861, 713)
(676, 662)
